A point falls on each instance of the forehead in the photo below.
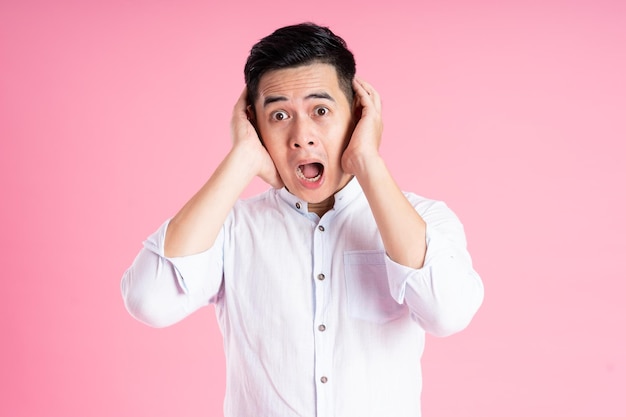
(298, 82)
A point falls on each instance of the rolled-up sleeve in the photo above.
(444, 295)
(161, 291)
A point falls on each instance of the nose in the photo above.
(302, 133)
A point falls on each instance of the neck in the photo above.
(323, 206)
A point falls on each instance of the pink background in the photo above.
(113, 113)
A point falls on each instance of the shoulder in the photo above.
(257, 207)
(432, 211)
(267, 197)
(423, 204)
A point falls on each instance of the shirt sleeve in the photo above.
(443, 295)
(161, 291)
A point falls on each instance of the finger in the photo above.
(362, 99)
(242, 100)
(366, 92)
(369, 89)
(359, 86)
(242, 107)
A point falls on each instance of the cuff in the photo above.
(190, 270)
(399, 275)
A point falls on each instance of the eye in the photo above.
(321, 111)
(279, 115)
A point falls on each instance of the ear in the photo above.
(251, 114)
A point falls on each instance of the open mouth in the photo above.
(310, 172)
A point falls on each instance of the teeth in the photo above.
(301, 176)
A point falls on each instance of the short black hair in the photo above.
(297, 45)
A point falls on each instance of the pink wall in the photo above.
(112, 113)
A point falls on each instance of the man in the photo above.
(324, 285)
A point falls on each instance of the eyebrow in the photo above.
(273, 99)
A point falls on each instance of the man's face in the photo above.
(305, 121)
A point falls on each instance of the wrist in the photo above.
(365, 165)
(247, 159)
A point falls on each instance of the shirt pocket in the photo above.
(367, 287)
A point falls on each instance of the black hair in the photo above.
(297, 45)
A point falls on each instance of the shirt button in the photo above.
(298, 206)
(321, 228)
(324, 380)
(321, 277)
(321, 327)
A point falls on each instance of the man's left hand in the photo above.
(367, 134)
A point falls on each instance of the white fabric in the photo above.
(263, 273)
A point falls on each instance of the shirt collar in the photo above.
(342, 198)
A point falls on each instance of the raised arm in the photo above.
(402, 229)
(175, 273)
(442, 290)
(197, 224)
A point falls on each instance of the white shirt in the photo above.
(316, 319)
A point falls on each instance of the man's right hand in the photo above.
(196, 226)
(246, 138)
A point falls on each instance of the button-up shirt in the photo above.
(317, 320)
